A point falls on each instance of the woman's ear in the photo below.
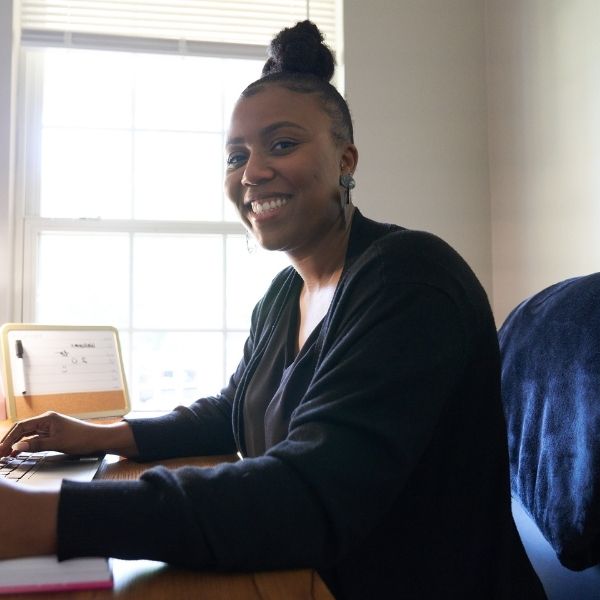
(349, 158)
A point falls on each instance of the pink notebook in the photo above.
(47, 574)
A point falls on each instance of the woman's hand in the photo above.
(53, 431)
(28, 524)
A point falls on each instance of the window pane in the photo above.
(248, 277)
(86, 173)
(178, 176)
(125, 342)
(85, 88)
(236, 75)
(175, 368)
(234, 351)
(83, 278)
(178, 93)
(178, 282)
(173, 109)
(230, 213)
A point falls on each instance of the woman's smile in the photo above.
(267, 207)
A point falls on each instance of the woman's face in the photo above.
(283, 168)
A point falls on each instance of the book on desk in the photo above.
(47, 574)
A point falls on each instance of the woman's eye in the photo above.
(235, 159)
(283, 145)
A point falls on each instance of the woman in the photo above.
(366, 405)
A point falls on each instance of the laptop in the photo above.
(48, 469)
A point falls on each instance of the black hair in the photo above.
(300, 61)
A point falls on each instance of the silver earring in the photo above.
(250, 244)
(348, 183)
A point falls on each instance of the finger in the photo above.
(32, 444)
(8, 445)
(26, 427)
(8, 433)
(5, 447)
(13, 434)
(4, 450)
(23, 446)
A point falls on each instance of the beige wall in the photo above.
(544, 133)
(479, 120)
(415, 81)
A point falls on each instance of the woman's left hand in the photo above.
(28, 524)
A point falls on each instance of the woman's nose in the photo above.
(257, 170)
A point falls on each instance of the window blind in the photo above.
(242, 22)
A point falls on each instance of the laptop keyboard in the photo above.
(16, 467)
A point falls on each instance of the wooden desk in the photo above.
(149, 580)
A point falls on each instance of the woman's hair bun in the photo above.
(300, 49)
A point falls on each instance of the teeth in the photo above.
(267, 205)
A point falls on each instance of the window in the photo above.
(121, 168)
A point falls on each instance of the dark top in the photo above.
(385, 465)
(279, 370)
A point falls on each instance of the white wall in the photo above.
(415, 81)
(525, 211)
(7, 135)
(544, 132)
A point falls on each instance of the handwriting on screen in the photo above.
(68, 361)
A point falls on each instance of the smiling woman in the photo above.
(366, 404)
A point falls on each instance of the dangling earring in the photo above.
(250, 244)
(348, 183)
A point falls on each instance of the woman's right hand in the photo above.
(54, 431)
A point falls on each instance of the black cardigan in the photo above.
(391, 477)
